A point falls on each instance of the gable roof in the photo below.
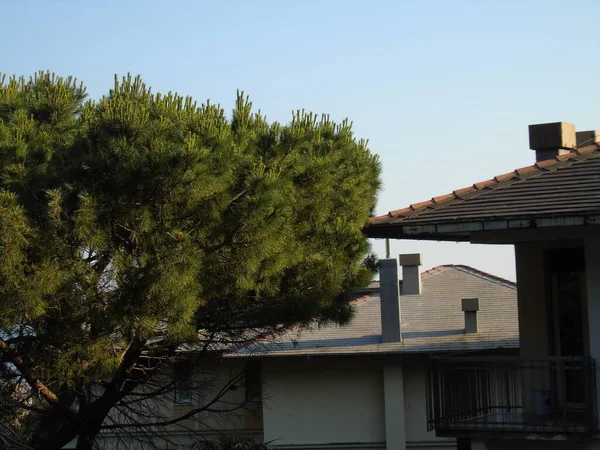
(567, 186)
(431, 322)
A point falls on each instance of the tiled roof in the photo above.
(431, 322)
(563, 186)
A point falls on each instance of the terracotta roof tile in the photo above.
(416, 206)
(483, 184)
(509, 196)
(399, 212)
(525, 170)
(463, 191)
(587, 149)
(377, 219)
(567, 156)
(442, 198)
(505, 177)
(546, 163)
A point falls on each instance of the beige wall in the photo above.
(216, 379)
(415, 411)
(207, 383)
(310, 404)
(531, 291)
(323, 401)
(315, 403)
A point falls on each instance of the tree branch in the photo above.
(35, 384)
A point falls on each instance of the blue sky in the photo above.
(443, 90)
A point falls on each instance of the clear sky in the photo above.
(443, 90)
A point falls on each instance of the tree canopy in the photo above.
(141, 218)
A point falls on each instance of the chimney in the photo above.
(589, 137)
(411, 274)
(551, 139)
(390, 301)
(470, 306)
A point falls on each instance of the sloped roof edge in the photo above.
(480, 188)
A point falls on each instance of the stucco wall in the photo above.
(415, 411)
(311, 404)
(213, 380)
(339, 403)
(531, 291)
(323, 402)
(208, 382)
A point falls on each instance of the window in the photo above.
(569, 319)
(183, 385)
(567, 290)
(253, 379)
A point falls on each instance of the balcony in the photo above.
(512, 396)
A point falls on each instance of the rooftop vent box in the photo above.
(552, 136)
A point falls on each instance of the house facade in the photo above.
(363, 385)
(358, 386)
(550, 211)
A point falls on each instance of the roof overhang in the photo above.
(488, 231)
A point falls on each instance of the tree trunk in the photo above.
(84, 427)
(48, 438)
(84, 442)
(85, 424)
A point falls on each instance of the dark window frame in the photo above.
(253, 382)
(183, 383)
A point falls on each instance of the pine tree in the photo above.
(142, 216)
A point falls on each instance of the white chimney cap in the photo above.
(411, 259)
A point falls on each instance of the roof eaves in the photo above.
(517, 175)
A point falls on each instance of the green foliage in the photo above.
(233, 442)
(143, 214)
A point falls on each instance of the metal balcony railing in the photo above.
(550, 395)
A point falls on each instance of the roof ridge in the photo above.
(486, 275)
(433, 271)
(360, 299)
(472, 270)
(522, 173)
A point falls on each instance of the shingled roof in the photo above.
(431, 322)
(566, 187)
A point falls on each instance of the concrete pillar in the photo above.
(592, 276)
(393, 391)
(390, 301)
(531, 291)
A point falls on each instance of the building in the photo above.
(359, 386)
(550, 211)
(363, 386)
